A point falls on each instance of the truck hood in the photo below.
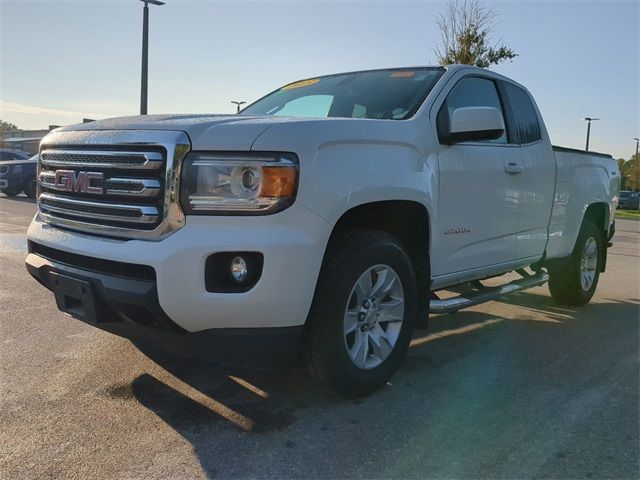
(207, 132)
(247, 132)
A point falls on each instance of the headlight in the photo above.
(223, 184)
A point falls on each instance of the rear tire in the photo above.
(573, 280)
(363, 312)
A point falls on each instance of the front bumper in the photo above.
(129, 307)
(173, 300)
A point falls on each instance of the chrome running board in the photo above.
(487, 294)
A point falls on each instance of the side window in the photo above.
(522, 118)
(470, 92)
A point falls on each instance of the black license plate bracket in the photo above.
(74, 296)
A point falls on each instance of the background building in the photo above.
(27, 140)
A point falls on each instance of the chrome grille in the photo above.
(142, 214)
(117, 183)
(127, 160)
(126, 194)
(138, 187)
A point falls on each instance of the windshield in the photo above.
(625, 194)
(392, 94)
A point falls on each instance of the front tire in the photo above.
(573, 280)
(363, 312)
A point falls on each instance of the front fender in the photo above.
(346, 162)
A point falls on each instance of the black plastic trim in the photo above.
(109, 267)
(475, 136)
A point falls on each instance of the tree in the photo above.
(466, 29)
(630, 173)
(5, 128)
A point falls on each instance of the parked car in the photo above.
(324, 219)
(6, 154)
(19, 175)
(628, 200)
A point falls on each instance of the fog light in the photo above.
(239, 269)
(232, 272)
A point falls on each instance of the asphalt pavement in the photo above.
(520, 388)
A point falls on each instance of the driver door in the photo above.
(478, 202)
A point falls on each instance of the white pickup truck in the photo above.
(321, 220)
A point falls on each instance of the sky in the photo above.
(64, 60)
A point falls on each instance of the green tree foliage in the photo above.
(630, 173)
(5, 129)
(466, 28)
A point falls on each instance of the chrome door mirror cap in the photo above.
(475, 123)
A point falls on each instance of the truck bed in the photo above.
(582, 178)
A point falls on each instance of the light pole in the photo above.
(145, 53)
(589, 120)
(637, 160)
(237, 104)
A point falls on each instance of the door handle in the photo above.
(513, 168)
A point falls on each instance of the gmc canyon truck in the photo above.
(323, 219)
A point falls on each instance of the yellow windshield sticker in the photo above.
(402, 74)
(303, 83)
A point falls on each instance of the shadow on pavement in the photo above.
(476, 372)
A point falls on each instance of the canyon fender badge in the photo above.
(456, 230)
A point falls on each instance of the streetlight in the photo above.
(637, 160)
(237, 104)
(589, 120)
(145, 53)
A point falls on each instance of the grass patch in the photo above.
(633, 214)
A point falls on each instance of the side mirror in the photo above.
(475, 123)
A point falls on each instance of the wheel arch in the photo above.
(599, 214)
(407, 220)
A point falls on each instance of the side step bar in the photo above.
(487, 294)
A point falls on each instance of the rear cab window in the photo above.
(522, 119)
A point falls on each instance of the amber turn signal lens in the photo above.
(278, 181)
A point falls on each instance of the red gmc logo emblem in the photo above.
(70, 181)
